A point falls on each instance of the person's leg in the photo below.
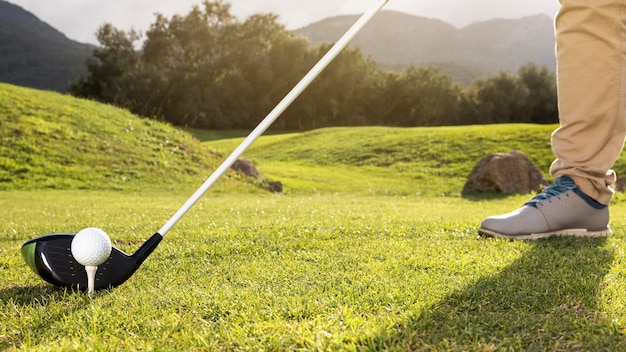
(591, 45)
(590, 36)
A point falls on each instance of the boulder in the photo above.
(512, 172)
(246, 168)
(274, 186)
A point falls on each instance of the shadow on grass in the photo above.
(32, 295)
(545, 300)
(14, 300)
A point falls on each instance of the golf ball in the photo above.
(91, 246)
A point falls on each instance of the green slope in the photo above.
(49, 140)
(387, 160)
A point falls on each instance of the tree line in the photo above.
(207, 69)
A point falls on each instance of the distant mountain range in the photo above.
(34, 54)
(395, 40)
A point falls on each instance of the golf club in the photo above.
(50, 256)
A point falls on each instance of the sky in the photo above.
(80, 19)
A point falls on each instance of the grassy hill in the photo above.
(50, 140)
(56, 141)
(387, 160)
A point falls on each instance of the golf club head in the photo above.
(50, 257)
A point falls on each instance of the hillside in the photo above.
(56, 141)
(395, 40)
(36, 55)
(431, 161)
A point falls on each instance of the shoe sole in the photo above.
(537, 236)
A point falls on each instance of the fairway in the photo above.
(370, 247)
(336, 272)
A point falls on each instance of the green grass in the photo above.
(54, 141)
(370, 248)
(394, 161)
(334, 272)
(431, 161)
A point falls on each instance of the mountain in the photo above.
(33, 54)
(396, 40)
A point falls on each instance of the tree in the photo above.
(497, 99)
(541, 102)
(207, 69)
(267, 61)
(528, 96)
(422, 97)
(108, 73)
(339, 95)
(191, 54)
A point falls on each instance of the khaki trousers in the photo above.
(591, 81)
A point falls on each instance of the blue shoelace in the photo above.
(560, 186)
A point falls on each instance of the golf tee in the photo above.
(91, 277)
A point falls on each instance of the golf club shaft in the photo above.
(276, 112)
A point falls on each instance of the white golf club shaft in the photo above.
(276, 112)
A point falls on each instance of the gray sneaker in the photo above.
(561, 209)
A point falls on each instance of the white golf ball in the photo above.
(91, 246)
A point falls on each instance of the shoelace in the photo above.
(560, 185)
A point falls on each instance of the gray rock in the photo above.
(512, 172)
(246, 168)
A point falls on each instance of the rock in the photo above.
(506, 173)
(247, 168)
(274, 186)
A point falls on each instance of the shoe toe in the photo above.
(522, 221)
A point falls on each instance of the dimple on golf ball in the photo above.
(91, 246)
